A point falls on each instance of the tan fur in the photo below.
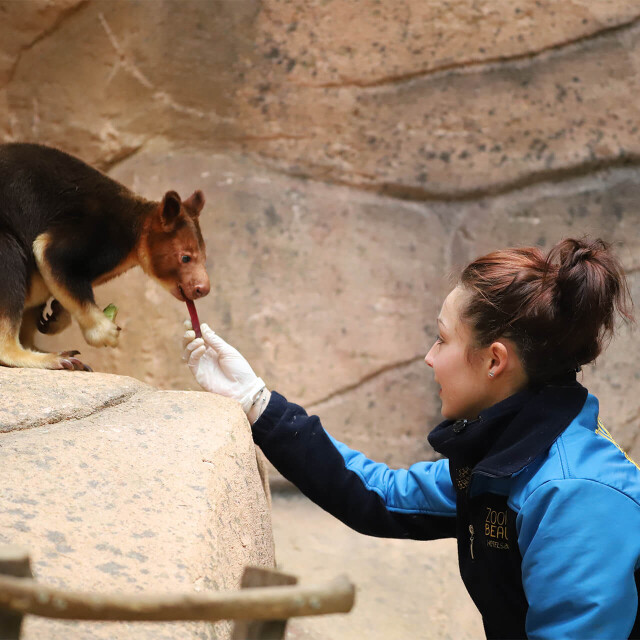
(38, 292)
(142, 250)
(28, 327)
(14, 355)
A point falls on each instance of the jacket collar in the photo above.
(508, 436)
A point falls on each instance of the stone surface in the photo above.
(59, 398)
(24, 24)
(468, 129)
(129, 489)
(419, 99)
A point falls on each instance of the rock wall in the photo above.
(353, 154)
(114, 486)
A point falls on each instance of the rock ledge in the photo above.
(116, 486)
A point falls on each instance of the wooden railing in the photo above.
(261, 607)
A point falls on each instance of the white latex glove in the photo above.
(220, 368)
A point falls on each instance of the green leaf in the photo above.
(111, 311)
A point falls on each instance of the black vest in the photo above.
(500, 442)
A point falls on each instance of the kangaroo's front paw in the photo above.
(55, 321)
(102, 333)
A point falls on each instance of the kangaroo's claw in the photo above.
(79, 366)
(55, 321)
(67, 360)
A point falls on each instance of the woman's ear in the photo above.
(499, 355)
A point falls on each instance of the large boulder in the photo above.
(115, 486)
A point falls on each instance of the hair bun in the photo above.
(585, 272)
(590, 288)
(571, 252)
(559, 309)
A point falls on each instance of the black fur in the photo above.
(94, 219)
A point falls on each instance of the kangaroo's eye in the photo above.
(186, 258)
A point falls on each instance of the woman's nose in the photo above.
(429, 358)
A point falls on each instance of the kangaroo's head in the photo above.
(172, 248)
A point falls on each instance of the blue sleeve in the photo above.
(417, 503)
(579, 544)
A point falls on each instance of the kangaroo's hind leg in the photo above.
(29, 326)
(13, 291)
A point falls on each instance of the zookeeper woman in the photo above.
(543, 503)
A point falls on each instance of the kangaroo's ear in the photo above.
(194, 203)
(170, 208)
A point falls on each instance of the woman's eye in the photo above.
(186, 258)
(439, 340)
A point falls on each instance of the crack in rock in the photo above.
(124, 61)
(62, 416)
(473, 65)
(412, 193)
(126, 154)
(265, 138)
(128, 65)
(62, 17)
(316, 404)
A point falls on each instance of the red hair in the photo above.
(557, 309)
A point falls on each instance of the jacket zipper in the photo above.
(458, 427)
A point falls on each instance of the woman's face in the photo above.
(458, 369)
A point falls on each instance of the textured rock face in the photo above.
(422, 99)
(114, 486)
(352, 154)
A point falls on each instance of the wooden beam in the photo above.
(24, 596)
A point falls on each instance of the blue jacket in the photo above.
(544, 504)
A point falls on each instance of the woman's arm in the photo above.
(369, 497)
(417, 503)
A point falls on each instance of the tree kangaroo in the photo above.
(66, 227)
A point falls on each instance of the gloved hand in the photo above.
(220, 368)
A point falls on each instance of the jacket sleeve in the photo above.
(417, 503)
(579, 544)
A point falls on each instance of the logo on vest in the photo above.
(495, 529)
(463, 477)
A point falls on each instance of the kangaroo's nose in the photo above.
(201, 290)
